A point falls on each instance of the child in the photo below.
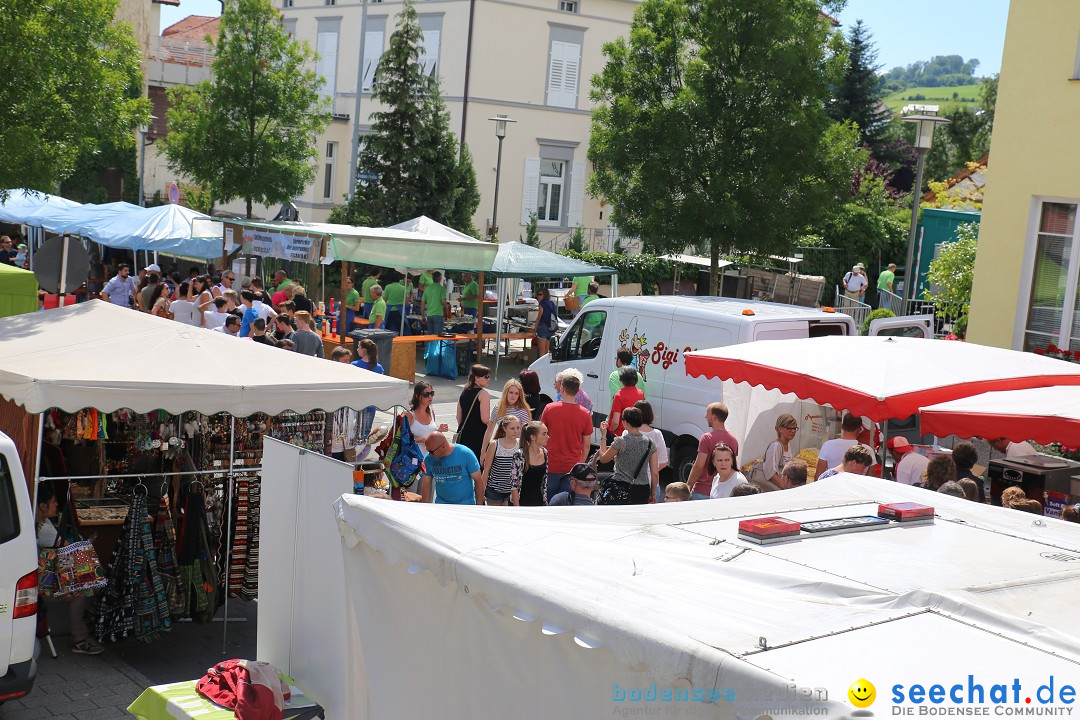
(528, 475)
(677, 492)
(499, 460)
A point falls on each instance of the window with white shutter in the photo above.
(329, 165)
(549, 198)
(576, 207)
(429, 53)
(530, 188)
(326, 44)
(564, 67)
(373, 50)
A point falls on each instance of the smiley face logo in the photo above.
(862, 693)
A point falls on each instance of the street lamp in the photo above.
(145, 130)
(500, 132)
(924, 137)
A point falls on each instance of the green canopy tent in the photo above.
(18, 291)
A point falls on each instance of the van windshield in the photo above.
(9, 511)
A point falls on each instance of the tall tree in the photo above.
(710, 124)
(250, 131)
(411, 148)
(67, 71)
(858, 95)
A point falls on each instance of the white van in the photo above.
(659, 330)
(18, 578)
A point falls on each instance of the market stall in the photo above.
(569, 613)
(142, 407)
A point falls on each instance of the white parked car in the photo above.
(18, 578)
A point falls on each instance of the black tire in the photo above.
(682, 460)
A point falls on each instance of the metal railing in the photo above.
(856, 309)
(891, 301)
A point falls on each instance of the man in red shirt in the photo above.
(700, 480)
(570, 429)
(626, 397)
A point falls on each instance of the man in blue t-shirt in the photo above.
(452, 474)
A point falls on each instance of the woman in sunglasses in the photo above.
(474, 409)
(421, 416)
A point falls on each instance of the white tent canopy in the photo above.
(538, 612)
(99, 355)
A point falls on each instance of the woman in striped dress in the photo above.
(499, 460)
(513, 403)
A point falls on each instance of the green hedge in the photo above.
(649, 270)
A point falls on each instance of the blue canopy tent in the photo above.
(171, 229)
(21, 204)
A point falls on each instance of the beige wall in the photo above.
(508, 76)
(1034, 155)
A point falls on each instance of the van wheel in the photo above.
(683, 458)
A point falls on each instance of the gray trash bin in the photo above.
(383, 339)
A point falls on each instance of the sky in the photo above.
(904, 32)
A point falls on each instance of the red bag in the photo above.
(252, 690)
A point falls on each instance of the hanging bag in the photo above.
(78, 569)
(404, 466)
(615, 488)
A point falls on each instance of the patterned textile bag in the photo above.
(404, 459)
(48, 583)
(78, 569)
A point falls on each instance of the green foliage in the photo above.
(576, 242)
(875, 315)
(84, 183)
(411, 146)
(939, 71)
(965, 139)
(250, 131)
(532, 235)
(649, 270)
(710, 124)
(988, 93)
(964, 94)
(71, 85)
(858, 95)
(950, 275)
(198, 198)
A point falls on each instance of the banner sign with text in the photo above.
(281, 245)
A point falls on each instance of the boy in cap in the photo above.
(582, 486)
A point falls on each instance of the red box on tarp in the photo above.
(767, 527)
(905, 511)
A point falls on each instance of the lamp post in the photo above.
(500, 132)
(145, 130)
(924, 137)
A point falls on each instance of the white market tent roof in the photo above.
(21, 205)
(551, 606)
(99, 355)
(388, 247)
(696, 260)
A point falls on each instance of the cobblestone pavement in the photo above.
(81, 687)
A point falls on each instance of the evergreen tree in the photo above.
(411, 148)
(858, 96)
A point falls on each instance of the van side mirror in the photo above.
(558, 351)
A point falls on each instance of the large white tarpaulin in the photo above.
(482, 612)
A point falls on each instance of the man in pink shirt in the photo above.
(570, 436)
(700, 480)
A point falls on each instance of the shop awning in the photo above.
(21, 204)
(1045, 415)
(99, 355)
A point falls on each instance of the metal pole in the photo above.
(500, 291)
(228, 531)
(495, 207)
(480, 316)
(884, 443)
(37, 458)
(359, 95)
(916, 192)
(63, 272)
(142, 168)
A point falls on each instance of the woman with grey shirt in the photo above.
(635, 457)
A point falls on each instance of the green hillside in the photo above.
(934, 96)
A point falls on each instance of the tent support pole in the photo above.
(884, 444)
(404, 305)
(615, 285)
(500, 291)
(479, 315)
(63, 272)
(37, 459)
(228, 532)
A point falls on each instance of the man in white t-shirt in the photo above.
(832, 451)
(1013, 449)
(855, 284)
(908, 465)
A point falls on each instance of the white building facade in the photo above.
(531, 60)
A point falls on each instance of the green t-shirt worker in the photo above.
(352, 306)
(377, 316)
(885, 283)
(365, 290)
(579, 287)
(434, 302)
(394, 297)
(470, 295)
(622, 359)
